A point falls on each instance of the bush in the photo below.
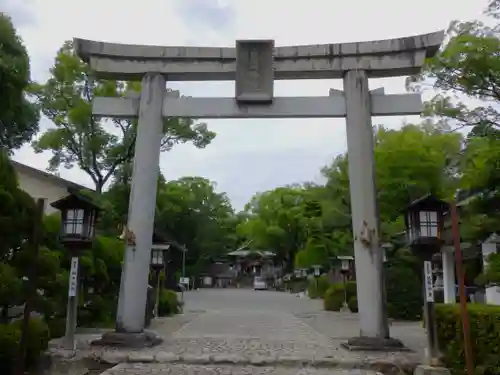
(318, 286)
(98, 311)
(404, 292)
(334, 296)
(296, 285)
(10, 335)
(169, 303)
(353, 304)
(9, 342)
(484, 333)
(57, 327)
(403, 287)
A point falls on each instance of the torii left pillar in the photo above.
(131, 311)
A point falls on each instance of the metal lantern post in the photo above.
(345, 270)
(424, 219)
(78, 217)
(157, 264)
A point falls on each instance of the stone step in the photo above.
(185, 369)
(223, 359)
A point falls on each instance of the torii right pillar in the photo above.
(372, 304)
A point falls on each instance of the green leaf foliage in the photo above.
(18, 117)
(98, 147)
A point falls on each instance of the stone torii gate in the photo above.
(254, 65)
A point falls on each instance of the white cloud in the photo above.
(250, 155)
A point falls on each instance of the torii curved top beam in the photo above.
(382, 58)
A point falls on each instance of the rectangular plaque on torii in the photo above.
(254, 71)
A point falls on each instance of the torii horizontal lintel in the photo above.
(281, 107)
(380, 58)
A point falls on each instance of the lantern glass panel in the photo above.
(156, 257)
(345, 265)
(428, 223)
(74, 223)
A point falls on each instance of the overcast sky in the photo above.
(247, 156)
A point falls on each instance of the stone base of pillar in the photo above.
(363, 343)
(144, 339)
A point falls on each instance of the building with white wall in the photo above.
(41, 184)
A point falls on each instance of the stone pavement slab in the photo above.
(181, 369)
(254, 329)
(248, 333)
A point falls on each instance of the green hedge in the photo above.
(484, 334)
(37, 342)
(318, 286)
(57, 327)
(169, 304)
(334, 296)
(404, 291)
(296, 285)
(353, 304)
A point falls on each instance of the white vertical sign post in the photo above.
(71, 312)
(429, 283)
(429, 312)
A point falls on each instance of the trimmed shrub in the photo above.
(57, 327)
(404, 292)
(334, 296)
(353, 304)
(484, 333)
(296, 285)
(38, 339)
(10, 335)
(403, 287)
(9, 342)
(317, 287)
(169, 304)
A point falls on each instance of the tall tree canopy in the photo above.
(18, 117)
(309, 224)
(98, 147)
(410, 162)
(466, 74)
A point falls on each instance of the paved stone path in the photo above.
(249, 332)
(231, 331)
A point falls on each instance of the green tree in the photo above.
(410, 163)
(191, 212)
(467, 67)
(78, 138)
(481, 178)
(18, 117)
(466, 74)
(16, 225)
(289, 221)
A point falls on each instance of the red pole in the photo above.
(469, 360)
